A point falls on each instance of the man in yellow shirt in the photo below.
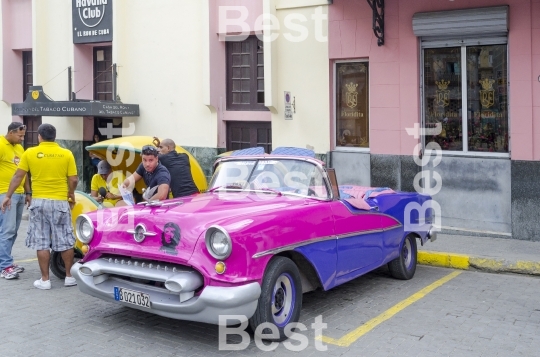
(101, 180)
(11, 152)
(54, 179)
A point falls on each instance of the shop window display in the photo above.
(486, 113)
(352, 116)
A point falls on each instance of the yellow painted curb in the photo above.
(501, 265)
(446, 260)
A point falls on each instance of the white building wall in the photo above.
(158, 48)
(52, 50)
(301, 67)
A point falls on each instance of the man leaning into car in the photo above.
(156, 177)
(182, 183)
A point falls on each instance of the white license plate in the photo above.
(132, 297)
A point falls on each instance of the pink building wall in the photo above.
(17, 36)
(218, 74)
(395, 68)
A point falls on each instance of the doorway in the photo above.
(243, 135)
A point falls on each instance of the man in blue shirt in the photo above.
(155, 175)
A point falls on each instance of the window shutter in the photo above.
(461, 26)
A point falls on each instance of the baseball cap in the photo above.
(103, 167)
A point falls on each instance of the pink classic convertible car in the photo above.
(270, 228)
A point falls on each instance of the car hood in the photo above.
(173, 229)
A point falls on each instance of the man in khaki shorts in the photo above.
(54, 179)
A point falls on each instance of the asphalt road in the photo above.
(466, 313)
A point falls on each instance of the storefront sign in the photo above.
(75, 109)
(92, 21)
(37, 104)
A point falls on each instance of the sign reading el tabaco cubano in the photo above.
(92, 21)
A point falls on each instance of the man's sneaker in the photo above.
(9, 273)
(43, 285)
(19, 269)
(70, 281)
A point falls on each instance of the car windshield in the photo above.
(284, 176)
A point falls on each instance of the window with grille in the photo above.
(103, 73)
(245, 74)
(28, 78)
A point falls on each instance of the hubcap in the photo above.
(282, 299)
(407, 256)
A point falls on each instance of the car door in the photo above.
(360, 237)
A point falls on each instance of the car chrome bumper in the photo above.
(432, 234)
(206, 307)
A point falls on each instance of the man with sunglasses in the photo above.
(155, 175)
(11, 152)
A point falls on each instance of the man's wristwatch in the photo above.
(28, 193)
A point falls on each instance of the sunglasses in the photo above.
(149, 150)
(21, 128)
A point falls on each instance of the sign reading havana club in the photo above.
(92, 21)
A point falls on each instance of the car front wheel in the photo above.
(404, 266)
(280, 301)
(56, 263)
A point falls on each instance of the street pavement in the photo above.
(440, 312)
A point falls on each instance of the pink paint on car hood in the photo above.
(193, 216)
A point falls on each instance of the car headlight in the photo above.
(218, 242)
(84, 227)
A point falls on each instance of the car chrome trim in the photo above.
(432, 234)
(322, 239)
(77, 223)
(319, 164)
(145, 232)
(159, 203)
(360, 233)
(212, 302)
(207, 236)
(292, 246)
(369, 212)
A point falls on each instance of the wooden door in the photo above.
(243, 135)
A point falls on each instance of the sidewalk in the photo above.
(495, 255)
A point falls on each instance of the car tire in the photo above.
(404, 266)
(56, 263)
(280, 301)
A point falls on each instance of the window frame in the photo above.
(253, 106)
(464, 92)
(334, 109)
(97, 78)
(28, 74)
